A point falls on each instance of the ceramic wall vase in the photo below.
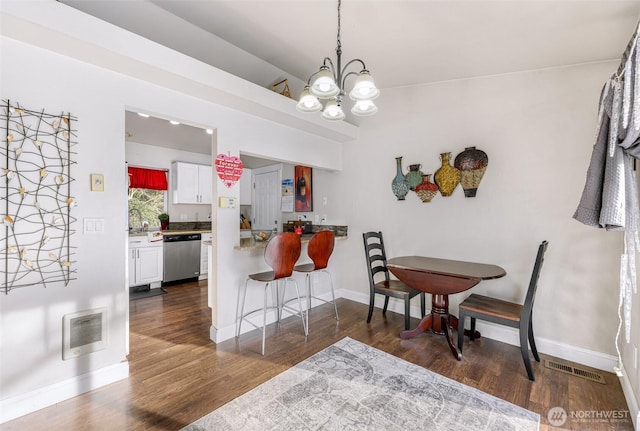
(399, 185)
(446, 177)
(472, 163)
(426, 190)
(414, 176)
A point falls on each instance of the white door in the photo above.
(266, 197)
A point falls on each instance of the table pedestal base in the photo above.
(441, 323)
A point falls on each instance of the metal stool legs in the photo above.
(310, 293)
(278, 307)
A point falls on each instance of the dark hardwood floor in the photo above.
(178, 375)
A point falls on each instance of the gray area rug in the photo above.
(350, 385)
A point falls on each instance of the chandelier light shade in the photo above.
(328, 83)
(363, 108)
(308, 102)
(333, 111)
(324, 85)
(364, 88)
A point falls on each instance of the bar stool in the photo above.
(319, 250)
(281, 253)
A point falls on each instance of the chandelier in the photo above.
(328, 84)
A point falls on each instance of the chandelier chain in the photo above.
(339, 43)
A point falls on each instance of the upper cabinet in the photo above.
(245, 187)
(191, 183)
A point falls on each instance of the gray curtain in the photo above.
(610, 197)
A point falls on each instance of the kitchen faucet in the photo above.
(135, 211)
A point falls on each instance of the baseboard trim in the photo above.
(14, 407)
(632, 401)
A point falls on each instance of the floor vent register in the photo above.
(568, 369)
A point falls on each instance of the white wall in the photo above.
(538, 130)
(31, 317)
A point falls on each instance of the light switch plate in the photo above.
(93, 225)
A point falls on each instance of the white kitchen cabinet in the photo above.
(145, 261)
(204, 255)
(191, 183)
(245, 187)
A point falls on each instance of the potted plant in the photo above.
(164, 221)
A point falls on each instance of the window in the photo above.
(147, 195)
(145, 205)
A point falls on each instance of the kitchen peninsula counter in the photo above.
(249, 244)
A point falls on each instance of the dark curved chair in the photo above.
(506, 313)
(281, 253)
(377, 264)
(319, 249)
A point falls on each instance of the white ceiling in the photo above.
(402, 42)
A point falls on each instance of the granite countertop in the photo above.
(169, 232)
(178, 227)
(176, 231)
(247, 244)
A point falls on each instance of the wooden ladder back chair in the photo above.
(507, 313)
(319, 249)
(281, 253)
(377, 264)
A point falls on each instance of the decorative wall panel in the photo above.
(36, 203)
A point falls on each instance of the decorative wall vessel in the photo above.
(426, 190)
(399, 184)
(414, 176)
(472, 163)
(446, 177)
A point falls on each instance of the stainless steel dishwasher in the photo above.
(181, 257)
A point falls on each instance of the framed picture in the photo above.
(302, 182)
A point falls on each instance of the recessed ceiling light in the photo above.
(174, 122)
(143, 115)
(209, 131)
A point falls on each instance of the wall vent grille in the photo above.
(84, 332)
(568, 369)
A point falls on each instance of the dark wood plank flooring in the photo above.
(178, 375)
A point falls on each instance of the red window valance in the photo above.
(143, 178)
